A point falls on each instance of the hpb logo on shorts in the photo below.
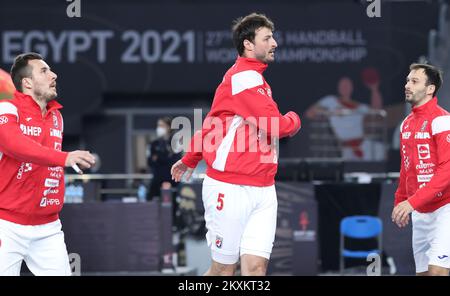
(219, 241)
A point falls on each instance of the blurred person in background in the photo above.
(161, 157)
(347, 117)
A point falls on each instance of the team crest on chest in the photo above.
(55, 120)
(424, 125)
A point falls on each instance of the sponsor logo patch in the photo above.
(3, 120)
(422, 135)
(424, 151)
(43, 202)
(406, 135)
(424, 178)
(31, 130)
(49, 202)
(55, 133)
(51, 183)
(24, 168)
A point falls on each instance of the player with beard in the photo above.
(32, 172)
(237, 143)
(423, 188)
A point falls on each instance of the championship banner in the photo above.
(139, 47)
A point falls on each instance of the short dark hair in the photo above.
(167, 120)
(20, 69)
(434, 75)
(244, 28)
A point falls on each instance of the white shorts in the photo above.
(431, 238)
(239, 219)
(42, 248)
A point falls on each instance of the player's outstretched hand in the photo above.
(400, 214)
(80, 157)
(179, 169)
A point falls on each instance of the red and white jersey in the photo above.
(237, 136)
(425, 153)
(31, 161)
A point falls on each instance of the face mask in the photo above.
(161, 132)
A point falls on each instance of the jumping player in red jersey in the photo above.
(423, 188)
(32, 173)
(237, 143)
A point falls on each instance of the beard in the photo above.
(50, 96)
(265, 57)
(416, 97)
(45, 96)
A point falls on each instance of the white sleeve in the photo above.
(245, 80)
(440, 124)
(8, 108)
(329, 102)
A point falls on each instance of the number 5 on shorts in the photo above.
(220, 201)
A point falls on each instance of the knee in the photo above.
(438, 272)
(218, 269)
(255, 269)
